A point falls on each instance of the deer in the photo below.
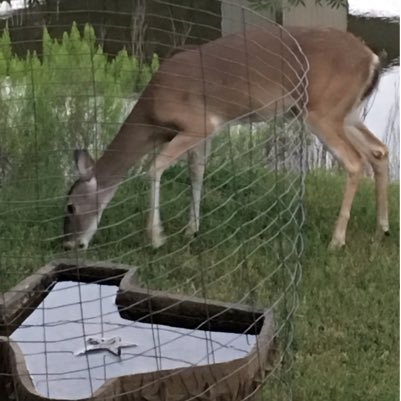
(325, 73)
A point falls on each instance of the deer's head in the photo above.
(83, 210)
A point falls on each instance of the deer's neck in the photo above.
(134, 140)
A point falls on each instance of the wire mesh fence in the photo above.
(208, 315)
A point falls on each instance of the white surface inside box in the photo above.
(72, 312)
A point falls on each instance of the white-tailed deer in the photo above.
(252, 74)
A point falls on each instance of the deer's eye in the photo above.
(70, 209)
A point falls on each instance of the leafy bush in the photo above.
(71, 95)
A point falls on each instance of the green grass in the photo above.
(347, 325)
(346, 333)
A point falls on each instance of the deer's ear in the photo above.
(84, 163)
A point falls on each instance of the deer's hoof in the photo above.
(381, 233)
(158, 240)
(336, 244)
(191, 231)
(155, 233)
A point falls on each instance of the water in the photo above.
(386, 9)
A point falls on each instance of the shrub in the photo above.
(71, 95)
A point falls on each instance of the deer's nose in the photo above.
(69, 245)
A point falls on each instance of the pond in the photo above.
(378, 23)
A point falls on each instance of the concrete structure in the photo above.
(311, 14)
(233, 16)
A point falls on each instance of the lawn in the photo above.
(346, 335)
(347, 341)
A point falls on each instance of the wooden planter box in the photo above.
(224, 379)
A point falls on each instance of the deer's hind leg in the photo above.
(376, 153)
(332, 134)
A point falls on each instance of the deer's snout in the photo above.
(70, 245)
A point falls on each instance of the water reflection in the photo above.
(383, 115)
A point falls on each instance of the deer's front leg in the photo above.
(197, 159)
(178, 146)
(155, 229)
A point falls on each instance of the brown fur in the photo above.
(254, 75)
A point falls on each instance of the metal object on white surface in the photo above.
(113, 345)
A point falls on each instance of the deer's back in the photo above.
(261, 70)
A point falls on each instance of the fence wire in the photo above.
(70, 75)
